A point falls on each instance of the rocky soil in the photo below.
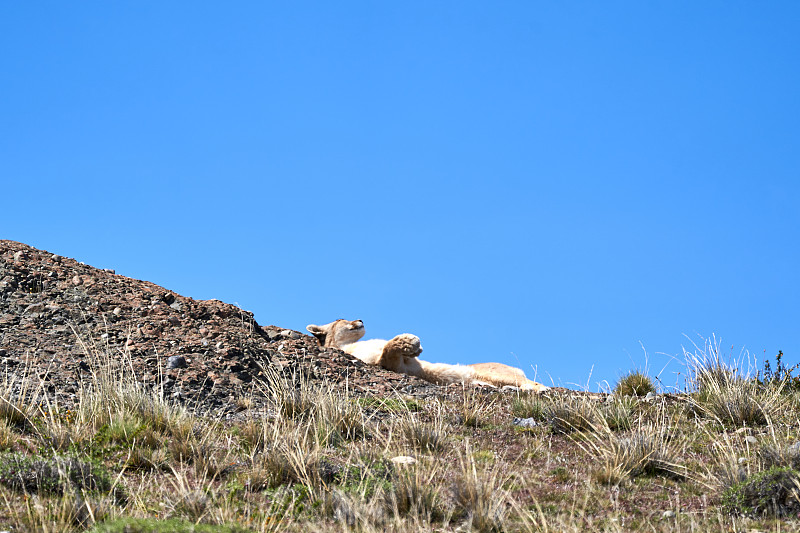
(60, 319)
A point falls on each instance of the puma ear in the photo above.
(319, 332)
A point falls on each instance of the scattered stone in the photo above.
(117, 311)
(176, 306)
(751, 440)
(76, 280)
(20, 256)
(289, 334)
(668, 514)
(35, 308)
(525, 422)
(176, 361)
(403, 460)
(794, 449)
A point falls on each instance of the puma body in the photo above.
(400, 354)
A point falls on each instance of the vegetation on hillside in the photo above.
(722, 456)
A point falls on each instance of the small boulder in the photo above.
(176, 361)
(525, 422)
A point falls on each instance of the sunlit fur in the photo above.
(401, 355)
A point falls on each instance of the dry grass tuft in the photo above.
(340, 418)
(148, 459)
(415, 491)
(336, 416)
(653, 448)
(725, 393)
(8, 437)
(475, 409)
(423, 436)
(635, 383)
(619, 412)
(70, 512)
(19, 399)
(478, 495)
(569, 414)
(740, 402)
(644, 452)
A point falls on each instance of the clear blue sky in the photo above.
(544, 184)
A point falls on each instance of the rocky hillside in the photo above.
(59, 317)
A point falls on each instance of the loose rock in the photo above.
(525, 422)
(176, 361)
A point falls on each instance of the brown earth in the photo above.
(59, 317)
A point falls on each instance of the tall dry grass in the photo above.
(318, 457)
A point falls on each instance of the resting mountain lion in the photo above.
(401, 355)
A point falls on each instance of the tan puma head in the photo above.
(338, 333)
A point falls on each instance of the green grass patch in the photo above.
(773, 492)
(54, 475)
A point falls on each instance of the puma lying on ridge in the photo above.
(401, 355)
